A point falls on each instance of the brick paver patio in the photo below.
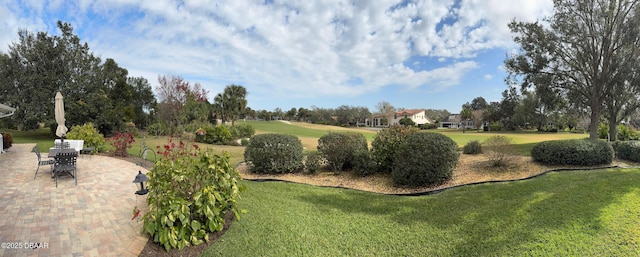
(90, 219)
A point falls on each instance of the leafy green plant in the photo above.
(157, 129)
(363, 163)
(7, 140)
(90, 135)
(242, 131)
(338, 148)
(121, 141)
(499, 150)
(473, 147)
(573, 152)
(312, 162)
(130, 127)
(626, 133)
(217, 134)
(191, 190)
(406, 122)
(386, 144)
(627, 150)
(274, 153)
(603, 131)
(424, 159)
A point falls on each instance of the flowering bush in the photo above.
(122, 142)
(191, 190)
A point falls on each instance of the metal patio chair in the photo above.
(42, 162)
(65, 164)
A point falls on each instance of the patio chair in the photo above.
(61, 145)
(65, 163)
(42, 162)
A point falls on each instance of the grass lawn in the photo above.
(309, 134)
(578, 213)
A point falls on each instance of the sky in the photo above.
(427, 54)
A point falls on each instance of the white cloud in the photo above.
(293, 48)
(488, 76)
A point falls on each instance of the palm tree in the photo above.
(230, 103)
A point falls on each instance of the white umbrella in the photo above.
(61, 131)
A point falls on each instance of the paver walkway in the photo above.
(90, 219)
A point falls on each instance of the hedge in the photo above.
(573, 152)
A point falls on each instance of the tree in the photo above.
(508, 104)
(291, 114)
(437, 115)
(303, 114)
(173, 93)
(231, 103)
(478, 103)
(492, 113)
(476, 116)
(626, 90)
(583, 50)
(465, 115)
(278, 113)
(386, 109)
(144, 101)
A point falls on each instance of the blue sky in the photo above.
(412, 54)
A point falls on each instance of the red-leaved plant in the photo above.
(122, 142)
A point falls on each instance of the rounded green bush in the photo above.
(312, 162)
(425, 159)
(629, 150)
(90, 135)
(386, 144)
(274, 153)
(473, 147)
(573, 152)
(339, 149)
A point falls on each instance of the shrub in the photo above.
(603, 131)
(626, 133)
(217, 134)
(425, 159)
(627, 150)
(7, 140)
(406, 122)
(191, 190)
(473, 147)
(495, 126)
(122, 142)
(573, 152)
(274, 153)
(428, 126)
(157, 129)
(386, 144)
(242, 131)
(339, 148)
(90, 135)
(130, 127)
(312, 162)
(244, 142)
(363, 163)
(499, 150)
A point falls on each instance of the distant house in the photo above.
(455, 121)
(418, 116)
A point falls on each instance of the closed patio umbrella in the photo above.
(61, 131)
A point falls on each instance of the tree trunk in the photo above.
(595, 118)
(613, 130)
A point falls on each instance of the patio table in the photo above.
(54, 152)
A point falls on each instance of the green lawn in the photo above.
(578, 213)
(309, 133)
